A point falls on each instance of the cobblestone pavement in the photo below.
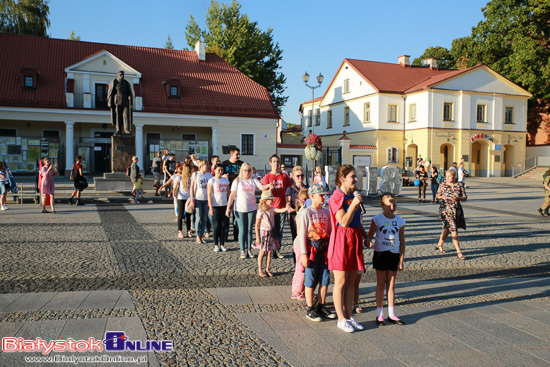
(217, 311)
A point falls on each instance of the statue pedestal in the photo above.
(123, 148)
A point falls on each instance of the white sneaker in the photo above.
(216, 249)
(345, 326)
(4, 207)
(223, 249)
(357, 326)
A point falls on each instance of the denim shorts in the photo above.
(317, 272)
(3, 187)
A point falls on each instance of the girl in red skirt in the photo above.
(345, 252)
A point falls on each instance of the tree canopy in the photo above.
(74, 37)
(443, 56)
(512, 39)
(169, 44)
(24, 17)
(240, 41)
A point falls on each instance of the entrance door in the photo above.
(480, 159)
(102, 157)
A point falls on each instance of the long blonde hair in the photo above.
(186, 172)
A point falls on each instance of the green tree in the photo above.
(169, 44)
(24, 17)
(443, 56)
(74, 37)
(240, 41)
(513, 39)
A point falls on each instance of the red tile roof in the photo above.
(292, 129)
(359, 146)
(213, 87)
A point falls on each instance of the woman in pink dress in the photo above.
(47, 185)
(345, 251)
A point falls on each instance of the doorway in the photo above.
(102, 151)
(446, 156)
(480, 159)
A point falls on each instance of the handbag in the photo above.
(459, 220)
(188, 207)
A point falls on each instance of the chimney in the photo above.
(431, 63)
(200, 49)
(404, 60)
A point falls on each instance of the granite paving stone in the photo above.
(66, 301)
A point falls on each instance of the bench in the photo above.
(26, 190)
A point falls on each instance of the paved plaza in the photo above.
(115, 266)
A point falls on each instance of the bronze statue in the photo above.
(119, 100)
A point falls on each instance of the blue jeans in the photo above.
(435, 187)
(201, 207)
(246, 223)
(280, 219)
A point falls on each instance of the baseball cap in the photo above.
(316, 189)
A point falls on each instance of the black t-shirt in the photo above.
(232, 169)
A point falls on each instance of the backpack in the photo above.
(73, 175)
(440, 179)
(128, 171)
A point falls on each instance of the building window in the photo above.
(29, 81)
(412, 112)
(247, 144)
(174, 91)
(318, 117)
(50, 134)
(392, 155)
(308, 119)
(8, 132)
(346, 86)
(101, 95)
(346, 116)
(392, 113)
(509, 115)
(329, 119)
(448, 111)
(366, 117)
(188, 137)
(481, 113)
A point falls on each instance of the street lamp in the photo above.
(305, 78)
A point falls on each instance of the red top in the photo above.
(280, 182)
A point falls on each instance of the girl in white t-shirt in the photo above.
(181, 194)
(389, 253)
(298, 288)
(243, 193)
(217, 202)
(199, 195)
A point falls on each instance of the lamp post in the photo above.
(305, 78)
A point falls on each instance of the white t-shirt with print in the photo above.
(183, 192)
(246, 194)
(201, 182)
(387, 233)
(219, 190)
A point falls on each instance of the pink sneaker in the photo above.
(299, 297)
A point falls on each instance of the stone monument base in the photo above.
(123, 148)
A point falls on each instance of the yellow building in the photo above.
(396, 113)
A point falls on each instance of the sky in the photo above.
(315, 35)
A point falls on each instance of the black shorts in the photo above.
(385, 260)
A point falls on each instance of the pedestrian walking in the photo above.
(47, 187)
(388, 230)
(217, 203)
(450, 194)
(134, 170)
(243, 195)
(543, 210)
(435, 180)
(79, 181)
(156, 167)
(280, 182)
(345, 252)
(232, 168)
(139, 188)
(4, 186)
(422, 176)
(266, 241)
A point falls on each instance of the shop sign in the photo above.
(481, 136)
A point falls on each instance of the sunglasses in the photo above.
(298, 175)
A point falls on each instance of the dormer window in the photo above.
(29, 81)
(29, 78)
(174, 91)
(172, 88)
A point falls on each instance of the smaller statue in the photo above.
(119, 100)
